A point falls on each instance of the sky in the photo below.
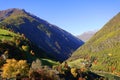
(74, 16)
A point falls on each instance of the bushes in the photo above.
(20, 70)
(14, 67)
(37, 71)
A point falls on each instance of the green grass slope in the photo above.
(104, 47)
(15, 45)
(7, 35)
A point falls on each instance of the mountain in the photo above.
(103, 48)
(86, 35)
(56, 42)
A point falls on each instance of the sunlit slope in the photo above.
(104, 47)
(7, 35)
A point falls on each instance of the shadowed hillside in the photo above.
(57, 43)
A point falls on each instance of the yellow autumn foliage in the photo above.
(14, 67)
(109, 54)
(25, 47)
(73, 72)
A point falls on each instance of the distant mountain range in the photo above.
(56, 42)
(103, 47)
(86, 35)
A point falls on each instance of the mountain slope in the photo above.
(103, 47)
(14, 46)
(86, 35)
(58, 43)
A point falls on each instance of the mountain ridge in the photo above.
(57, 42)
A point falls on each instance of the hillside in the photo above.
(12, 45)
(103, 49)
(56, 42)
(86, 35)
(4, 34)
(18, 47)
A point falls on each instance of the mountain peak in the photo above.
(11, 10)
(8, 12)
(86, 35)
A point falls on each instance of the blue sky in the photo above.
(74, 16)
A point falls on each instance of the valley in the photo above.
(32, 48)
